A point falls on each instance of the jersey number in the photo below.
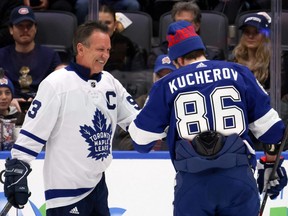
(129, 98)
(34, 108)
(191, 112)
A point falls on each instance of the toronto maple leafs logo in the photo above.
(99, 137)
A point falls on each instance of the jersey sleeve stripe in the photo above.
(32, 136)
(27, 151)
(57, 193)
(264, 123)
(142, 137)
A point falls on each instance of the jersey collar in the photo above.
(83, 72)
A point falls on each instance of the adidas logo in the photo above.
(200, 65)
(74, 211)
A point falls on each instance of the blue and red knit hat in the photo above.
(182, 39)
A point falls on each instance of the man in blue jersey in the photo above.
(74, 115)
(205, 109)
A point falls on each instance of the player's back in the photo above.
(208, 95)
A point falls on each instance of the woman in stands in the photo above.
(125, 55)
(254, 47)
(254, 51)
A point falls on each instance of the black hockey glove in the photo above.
(15, 185)
(275, 185)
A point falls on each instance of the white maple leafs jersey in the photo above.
(75, 118)
(207, 95)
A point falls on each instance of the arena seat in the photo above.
(55, 29)
(140, 31)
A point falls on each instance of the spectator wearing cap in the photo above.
(25, 62)
(254, 47)
(254, 51)
(162, 66)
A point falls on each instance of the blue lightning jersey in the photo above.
(74, 116)
(206, 95)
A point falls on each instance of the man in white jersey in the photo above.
(74, 115)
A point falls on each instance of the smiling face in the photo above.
(94, 52)
(5, 98)
(23, 32)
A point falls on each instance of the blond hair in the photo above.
(260, 67)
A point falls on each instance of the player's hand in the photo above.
(273, 186)
(15, 184)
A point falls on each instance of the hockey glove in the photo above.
(275, 185)
(15, 185)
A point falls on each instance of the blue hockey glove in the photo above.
(275, 185)
(15, 185)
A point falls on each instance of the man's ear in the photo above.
(175, 62)
(11, 30)
(80, 49)
(196, 27)
(179, 62)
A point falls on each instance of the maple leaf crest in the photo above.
(98, 137)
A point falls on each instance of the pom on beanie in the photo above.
(182, 39)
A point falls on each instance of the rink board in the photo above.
(139, 185)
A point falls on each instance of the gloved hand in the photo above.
(275, 185)
(15, 185)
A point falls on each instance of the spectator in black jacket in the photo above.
(125, 55)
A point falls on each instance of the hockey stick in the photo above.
(272, 175)
(6, 209)
(8, 205)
